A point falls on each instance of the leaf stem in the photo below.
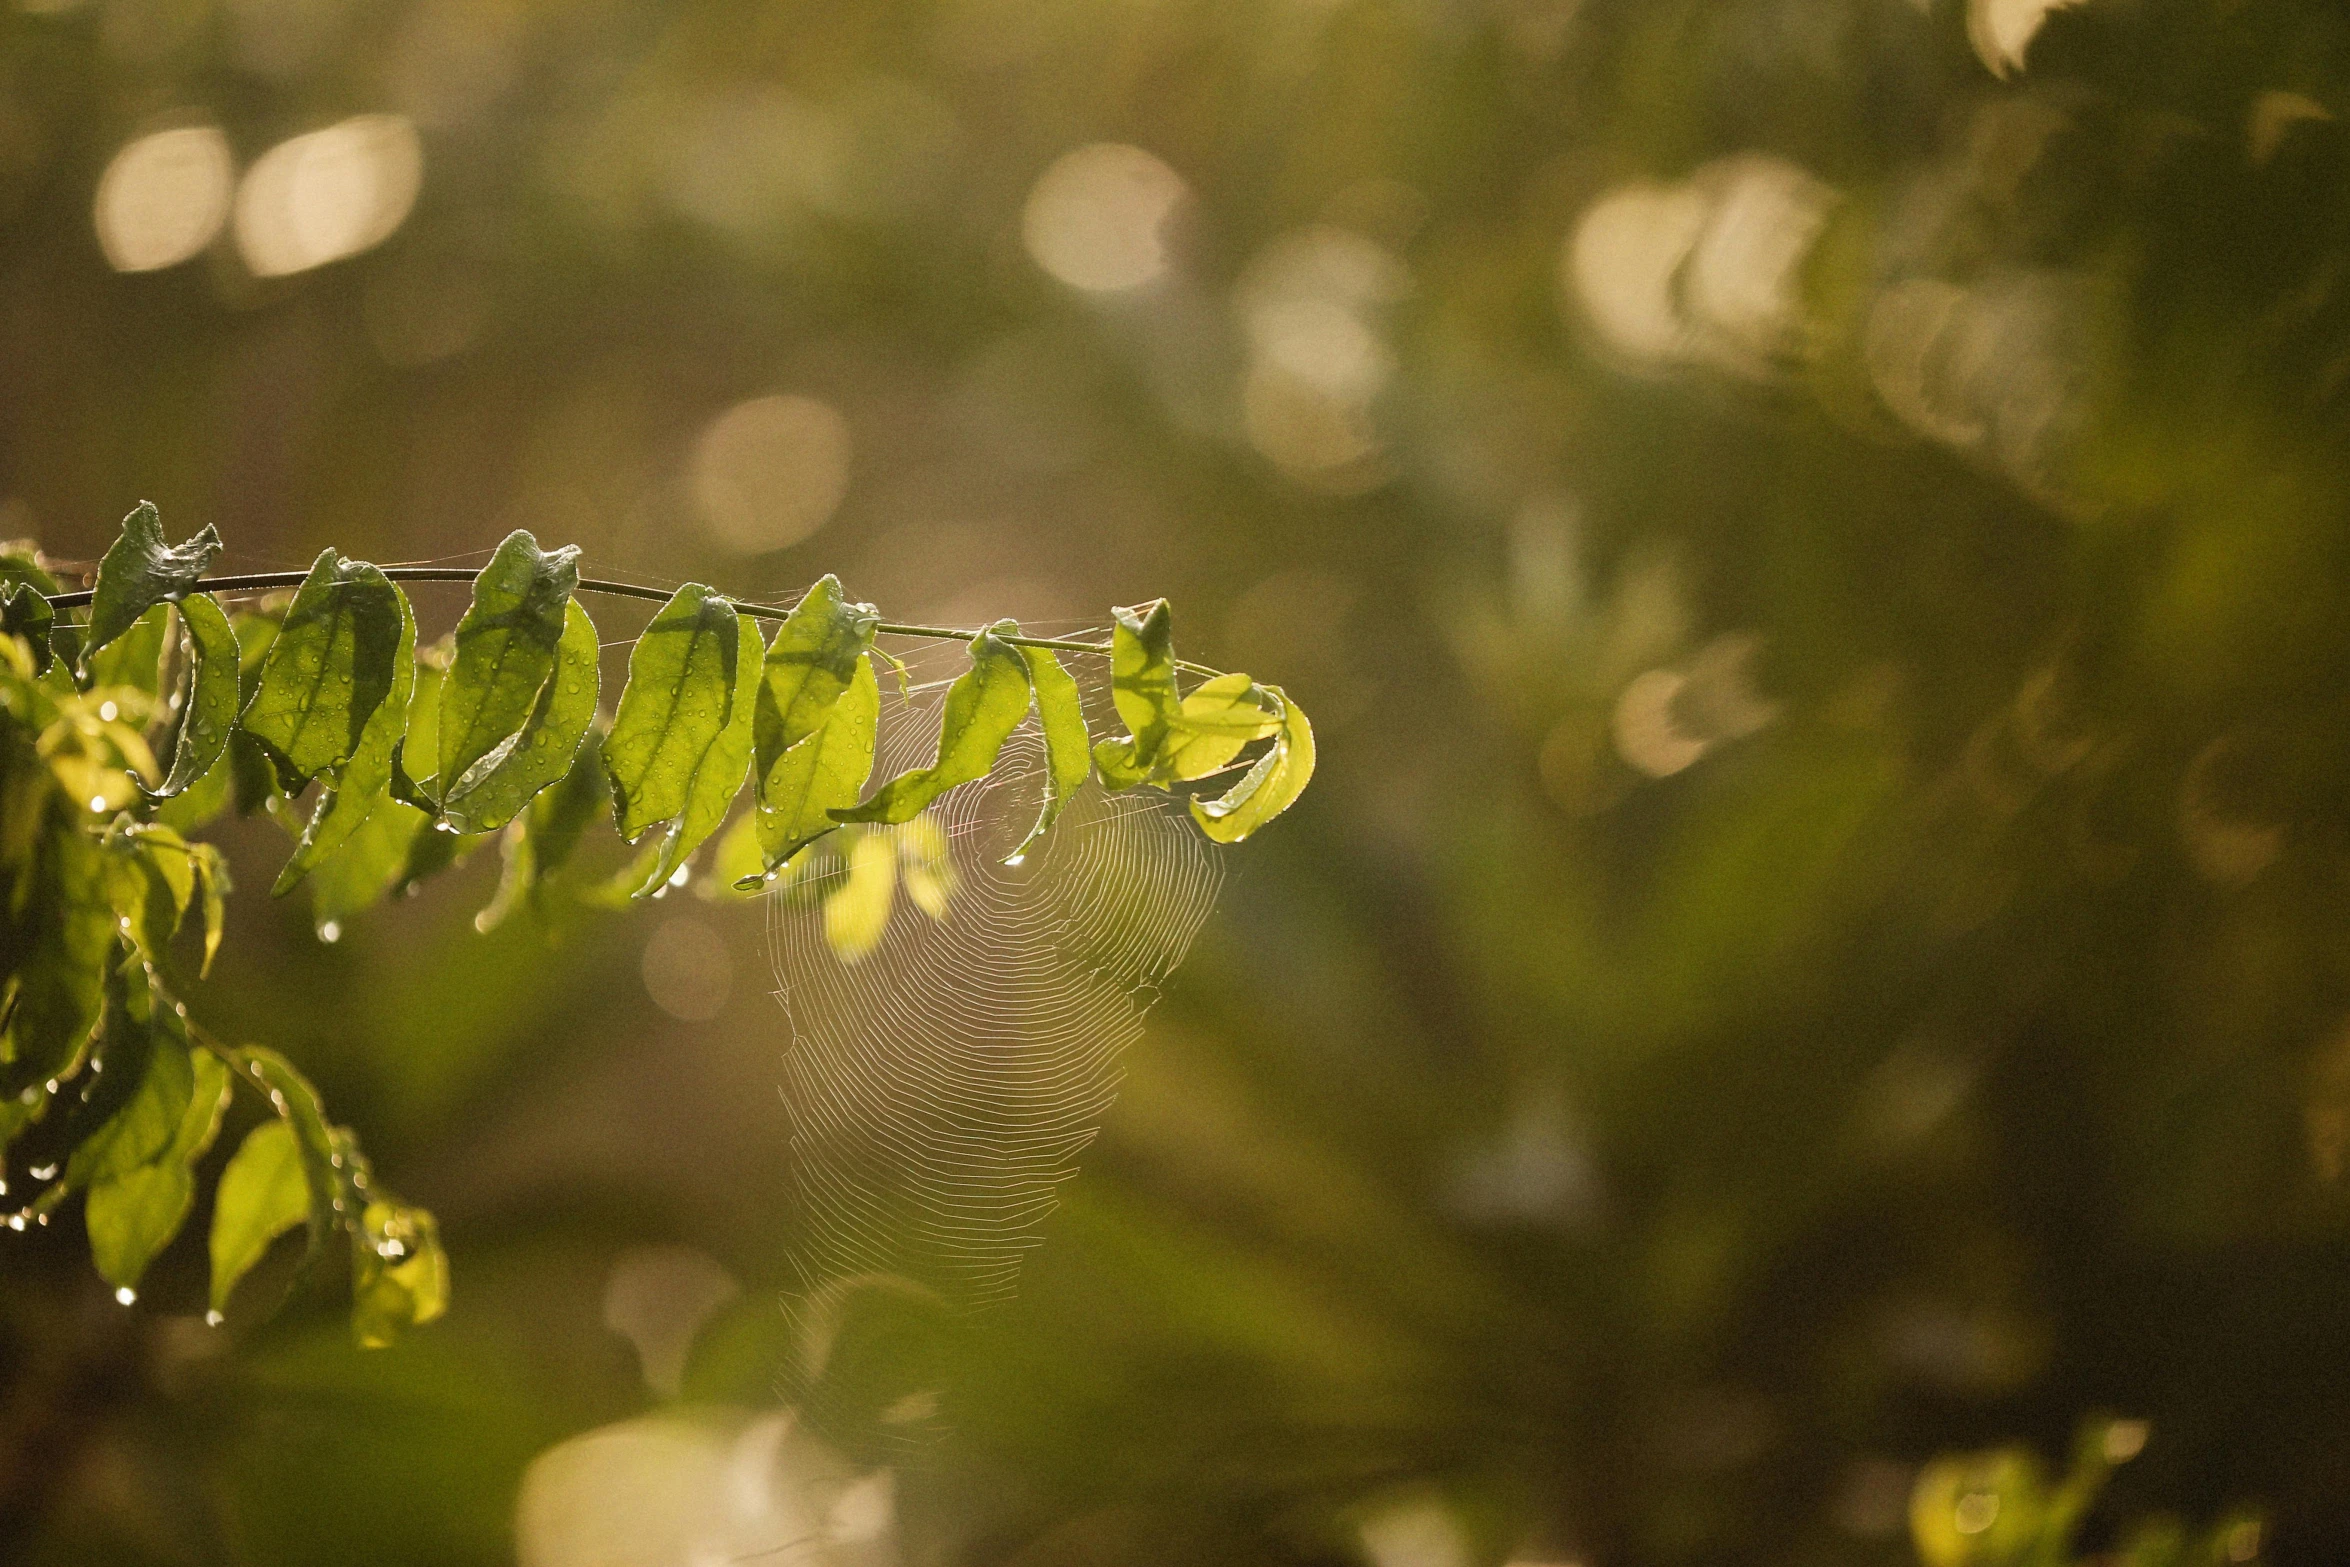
(256, 581)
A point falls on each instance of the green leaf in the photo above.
(399, 1275)
(539, 843)
(496, 786)
(1068, 755)
(1215, 722)
(681, 742)
(139, 572)
(150, 879)
(505, 652)
(361, 781)
(132, 1216)
(367, 866)
(822, 771)
(143, 1128)
(814, 657)
(1142, 675)
(1266, 789)
(58, 942)
(209, 710)
(135, 657)
(264, 1192)
(25, 613)
(211, 867)
(983, 707)
(331, 665)
(203, 801)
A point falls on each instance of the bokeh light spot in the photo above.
(768, 472)
(1098, 218)
(687, 970)
(164, 197)
(329, 194)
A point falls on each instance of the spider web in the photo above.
(942, 1087)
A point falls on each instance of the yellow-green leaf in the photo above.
(1068, 757)
(333, 662)
(1142, 675)
(1268, 788)
(360, 782)
(680, 744)
(824, 770)
(506, 656)
(399, 1275)
(264, 1192)
(857, 911)
(982, 708)
(812, 661)
(496, 785)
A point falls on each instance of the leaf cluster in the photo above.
(125, 730)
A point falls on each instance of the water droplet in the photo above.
(330, 932)
(107, 712)
(213, 1319)
(43, 1172)
(3, 1188)
(1016, 859)
(125, 1296)
(98, 803)
(42, 1220)
(682, 872)
(16, 1221)
(52, 1086)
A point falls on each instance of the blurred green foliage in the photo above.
(1813, 536)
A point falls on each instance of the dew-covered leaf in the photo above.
(814, 657)
(681, 742)
(822, 771)
(982, 708)
(497, 784)
(359, 784)
(399, 1275)
(332, 664)
(264, 1192)
(506, 646)
(140, 571)
(1267, 788)
(209, 707)
(1068, 752)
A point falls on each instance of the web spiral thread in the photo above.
(942, 1087)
